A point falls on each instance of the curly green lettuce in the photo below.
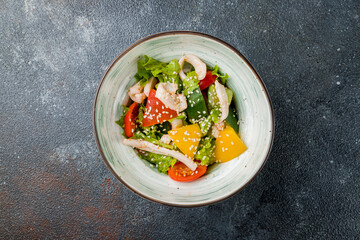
(161, 162)
(206, 151)
(124, 110)
(164, 72)
(216, 71)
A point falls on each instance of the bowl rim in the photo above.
(184, 32)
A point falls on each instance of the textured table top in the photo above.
(53, 181)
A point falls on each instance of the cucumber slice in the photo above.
(232, 119)
(196, 110)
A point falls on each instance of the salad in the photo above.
(180, 117)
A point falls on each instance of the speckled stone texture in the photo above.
(54, 183)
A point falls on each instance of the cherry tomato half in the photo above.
(181, 173)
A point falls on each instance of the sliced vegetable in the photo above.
(181, 173)
(232, 119)
(197, 110)
(130, 119)
(228, 145)
(208, 80)
(187, 138)
(156, 112)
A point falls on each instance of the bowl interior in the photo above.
(223, 180)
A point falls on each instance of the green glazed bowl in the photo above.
(251, 99)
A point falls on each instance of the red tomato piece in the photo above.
(207, 81)
(130, 119)
(181, 173)
(156, 111)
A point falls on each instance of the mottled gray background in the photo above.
(54, 183)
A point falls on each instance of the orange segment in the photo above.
(228, 145)
(187, 138)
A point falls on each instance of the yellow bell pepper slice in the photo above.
(186, 138)
(228, 145)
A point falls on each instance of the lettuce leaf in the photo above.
(124, 110)
(191, 82)
(206, 151)
(216, 71)
(156, 67)
(163, 163)
(165, 72)
(142, 74)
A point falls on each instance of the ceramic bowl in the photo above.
(252, 102)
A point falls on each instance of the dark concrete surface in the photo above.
(53, 181)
